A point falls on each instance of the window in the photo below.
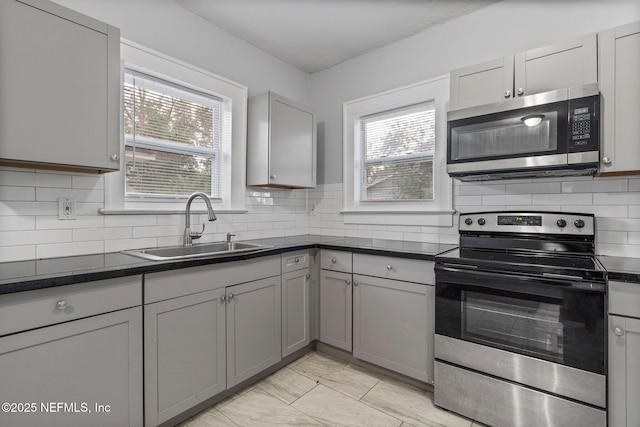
(172, 138)
(395, 157)
(183, 130)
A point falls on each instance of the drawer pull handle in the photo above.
(618, 331)
(389, 267)
(61, 305)
(333, 260)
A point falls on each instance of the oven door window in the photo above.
(558, 324)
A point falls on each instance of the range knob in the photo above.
(481, 221)
(578, 223)
(561, 223)
(468, 221)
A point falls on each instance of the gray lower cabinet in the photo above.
(253, 328)
(72, 355)
(185, 353)
(296, 289)
(391, 325)
(79, 373)
(623, 369)
(336, 309)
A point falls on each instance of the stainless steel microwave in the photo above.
(543, 135)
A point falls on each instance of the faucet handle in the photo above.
(230, 237)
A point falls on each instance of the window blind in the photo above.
(397, 153)
(172, 138)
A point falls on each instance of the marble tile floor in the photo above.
(319, 390)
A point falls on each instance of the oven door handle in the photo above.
(470, 275)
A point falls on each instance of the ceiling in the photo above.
(313, 35)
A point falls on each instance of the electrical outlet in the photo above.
(312, 211)
(66, 208)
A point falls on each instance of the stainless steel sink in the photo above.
(195, 251)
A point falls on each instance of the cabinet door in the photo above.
(92, 366)
(253, 328)
(393, 325)
(558, 66)
(619, 57)
(295, 311)
(623, 372)
(480, 84)
(336, 309)
(184, 353)
(60, 87)
(292, 157)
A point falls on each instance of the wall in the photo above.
(501, 29)
(29, 225)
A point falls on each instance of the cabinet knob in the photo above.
(355, 283)
(115, 157)
(606, 161)
(389, 267)
(333, 260)
(272, 176)
(223, 298)
(61, 305)
(618, 331)
(308, 276)
(520, 91)
(348, 282)
(297, 260)
(507, 93)
(230, 297)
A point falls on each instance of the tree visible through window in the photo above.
(172, 138)
(397, 152)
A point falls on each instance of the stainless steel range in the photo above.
(520, 321)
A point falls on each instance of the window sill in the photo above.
(166, 211)
(442, 218)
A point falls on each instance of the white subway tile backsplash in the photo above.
(534, 188)
(129, 220)
(481, 190)
(117, 245)
(616, 198)
(88, 181)
(634, 184)
(92, 234)
(17, 253)
(34, 237)
(562, 199)
(512, 199)
(18, 178)
(69, 249)
(595, 186)
(16, 223)
(45, 222)
(46, 194)
(52, 180)
(17, 193)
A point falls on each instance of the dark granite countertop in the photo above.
(621, 269)
(28, 275)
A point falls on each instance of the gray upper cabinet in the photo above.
(73, 349)
(281, 144)
(619, 60)
(393, 314)
(557, 66)
(60, 88)
(296, 280)
(623, 369)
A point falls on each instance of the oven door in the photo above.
(545, 333)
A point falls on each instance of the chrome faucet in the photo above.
(190, 236)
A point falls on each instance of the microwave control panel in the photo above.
(583, 124)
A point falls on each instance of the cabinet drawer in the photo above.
(33, 309)
(336, 260)
(624, 299)
(408, 270)
(295, 261)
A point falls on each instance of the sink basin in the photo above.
(195, 251)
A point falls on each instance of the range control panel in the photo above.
(528, 222)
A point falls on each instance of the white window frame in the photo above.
(436, 212)
(233, 164)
